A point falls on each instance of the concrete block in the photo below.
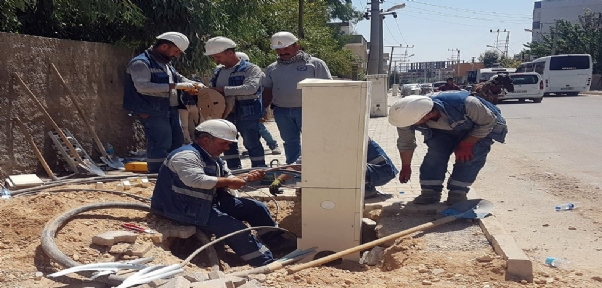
(216, 275)
(196, 276)
(119, 248)
(518, 265)
(139, 249)
(157, 238)
(174, 230)
(177, 282)
(491, 226)
(111, 237)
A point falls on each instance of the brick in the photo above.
(196, 276)
(111, 237)
(138, 249)
(157, 238)
(177, 231)
(177, 282)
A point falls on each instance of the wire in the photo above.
(468, 17)
(454, 23)
(475, 11)
(391, 32)
(400, 33)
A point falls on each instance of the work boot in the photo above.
(427, 197)
(455, 197)
(276, 150)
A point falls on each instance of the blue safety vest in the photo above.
(248, 109)
(175, 200)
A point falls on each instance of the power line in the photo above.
(391, 32)
(473, 11)
(400, 33)
(435, 20)
(456, 15)
(468, 17)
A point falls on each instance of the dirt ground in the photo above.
(456, 255)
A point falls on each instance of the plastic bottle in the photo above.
(565, 206)
(5, 193)
(556, 262)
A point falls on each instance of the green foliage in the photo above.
(489, 58)
(582, 38)
(135, 23)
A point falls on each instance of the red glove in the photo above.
(464, 151)
(406, 172)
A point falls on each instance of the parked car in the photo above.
(426, 88)
(410, 89)
(527, 85)
(437, 84)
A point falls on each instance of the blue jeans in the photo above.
(434, 166)
(267, 136)
(163, 135)
(289, 122)
(227, 216)
(249, 131)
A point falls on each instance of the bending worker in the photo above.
(451, 122)
(379, 171)
(192, 188)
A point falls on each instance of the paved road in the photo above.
(552, 156)
(566, 132)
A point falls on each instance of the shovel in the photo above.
(469, 209)
(110, 160)
(85, 164)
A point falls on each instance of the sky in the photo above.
(434, 27)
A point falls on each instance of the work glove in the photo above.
(405, 173)
(275, 187)
(186, 86)
(464, 151)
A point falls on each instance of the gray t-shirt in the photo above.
(252, 82)
(482, 117)
(283, 80)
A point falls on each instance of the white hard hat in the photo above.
(218, 44)
(243, 56)
(219, 128)
(282, 39)
(409, 110)
(177, 38)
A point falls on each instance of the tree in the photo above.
(489, 58)
(568, 38)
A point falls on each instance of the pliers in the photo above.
(137, 228)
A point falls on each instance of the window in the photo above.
(539, 67)
(569, 63)
(524, 79)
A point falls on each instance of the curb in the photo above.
(518, 265)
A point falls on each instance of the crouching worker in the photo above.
(379, 171)
(192, 189)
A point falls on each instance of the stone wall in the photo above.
(95, 72)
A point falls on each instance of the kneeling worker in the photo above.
(192, 188)
(379, 171)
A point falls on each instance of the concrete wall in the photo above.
(94, 71)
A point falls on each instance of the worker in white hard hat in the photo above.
(263, 131)
(451, 122)
(192, 188)
(151, 94)
(280, 88)
(240, 80)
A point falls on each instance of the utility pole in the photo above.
(507, 43)
(375, 32)
(391, 56)
(453, 59)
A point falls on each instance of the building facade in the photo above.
(547, 12)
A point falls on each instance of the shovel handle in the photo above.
(56, 127)
(29, 139)
(371, 244)
(80, 110)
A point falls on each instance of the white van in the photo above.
(567, 74)
(527, 85)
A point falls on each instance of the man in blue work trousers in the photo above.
(151, 94)
(241, 80)
(192, 188)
